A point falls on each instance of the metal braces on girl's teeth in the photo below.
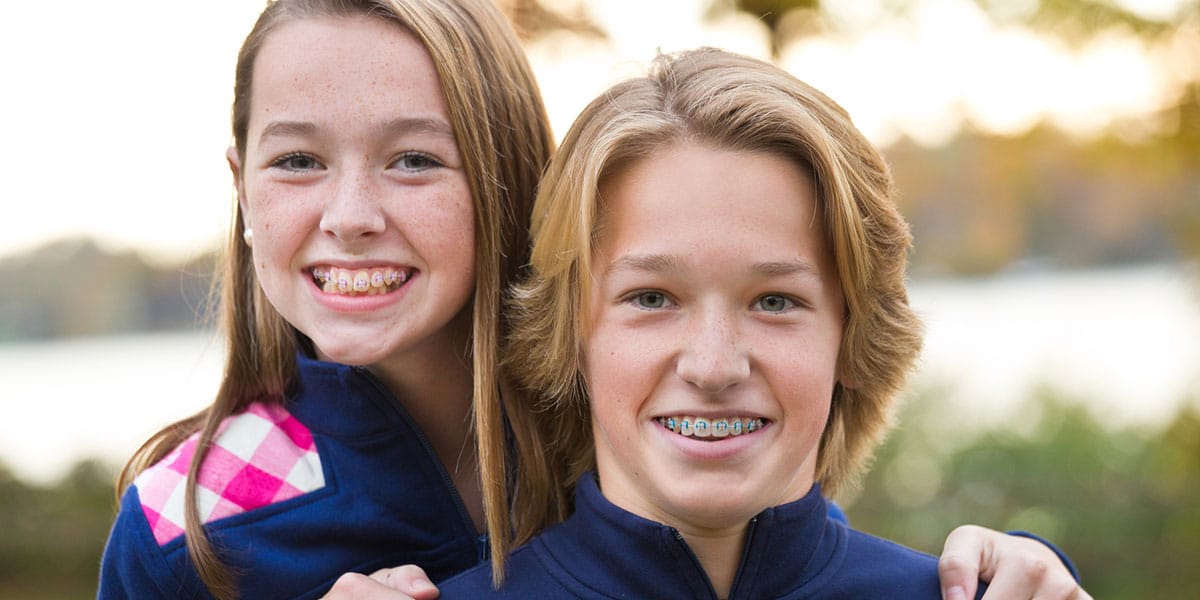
(355, 282)
(701, 427)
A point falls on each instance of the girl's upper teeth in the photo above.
(358, 282)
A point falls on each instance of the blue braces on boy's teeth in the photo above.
(700, 427)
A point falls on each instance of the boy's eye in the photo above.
(296, 161)
(416, 161)
(774, 303)
(651, 299)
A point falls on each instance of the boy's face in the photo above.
(716, 302)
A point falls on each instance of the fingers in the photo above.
(356, 586)
(959, 564)
(409, 579)
(1034, 577)
(407, 582)
(1015, 567)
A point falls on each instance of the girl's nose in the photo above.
(354, 210)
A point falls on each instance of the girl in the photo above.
(722, 373)
(385, 155)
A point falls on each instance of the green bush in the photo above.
(1123, 503)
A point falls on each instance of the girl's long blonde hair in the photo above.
(504, 135)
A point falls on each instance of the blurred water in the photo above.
(98, 397)
(1124, 340)
(1127, 341)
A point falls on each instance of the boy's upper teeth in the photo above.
(702, 427)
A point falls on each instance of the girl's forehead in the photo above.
(354, 70)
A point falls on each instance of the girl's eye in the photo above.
(651, 299)
(774, 303)
(416, 161)
(296, 161)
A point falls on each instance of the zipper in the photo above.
(737, 577)
(712, 593)
(429, 452)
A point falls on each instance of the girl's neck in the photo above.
(434, 385)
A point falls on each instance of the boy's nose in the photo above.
(712, 357)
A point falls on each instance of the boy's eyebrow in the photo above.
(666, 263)
(785, 267)
(394, 128)
(655, 263)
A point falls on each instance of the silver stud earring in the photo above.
(248, 236)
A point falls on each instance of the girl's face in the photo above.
(717, 318)
(353, 185)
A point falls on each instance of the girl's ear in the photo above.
(235, 167)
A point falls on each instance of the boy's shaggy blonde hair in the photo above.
(729, 102)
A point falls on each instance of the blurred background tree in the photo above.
(1123, 503)
(53, 536)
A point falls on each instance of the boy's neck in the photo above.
(720, 553)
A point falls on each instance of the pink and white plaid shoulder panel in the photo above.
(261, 456)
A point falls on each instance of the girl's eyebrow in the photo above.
(393, 128)
(406, 125)
(286, 129)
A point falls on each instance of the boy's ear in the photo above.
(235, 168)
(845, 378)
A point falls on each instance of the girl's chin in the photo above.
(338, 353)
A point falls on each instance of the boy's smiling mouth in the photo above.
(711, 429)
(359, 282)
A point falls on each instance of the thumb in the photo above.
(958, 566)
(409, 579)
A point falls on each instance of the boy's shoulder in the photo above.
(259, 457)
(889, 554)
(874, 567)
(526, 576)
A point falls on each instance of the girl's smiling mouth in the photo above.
(359, 282)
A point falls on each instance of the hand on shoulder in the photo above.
(1014, 567)
(407, 582)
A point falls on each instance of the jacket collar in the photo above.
(343, 401)
(787, 546)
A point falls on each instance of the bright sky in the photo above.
(116, 115)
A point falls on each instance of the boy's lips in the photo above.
(367, 281)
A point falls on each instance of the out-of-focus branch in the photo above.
(533, 18)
